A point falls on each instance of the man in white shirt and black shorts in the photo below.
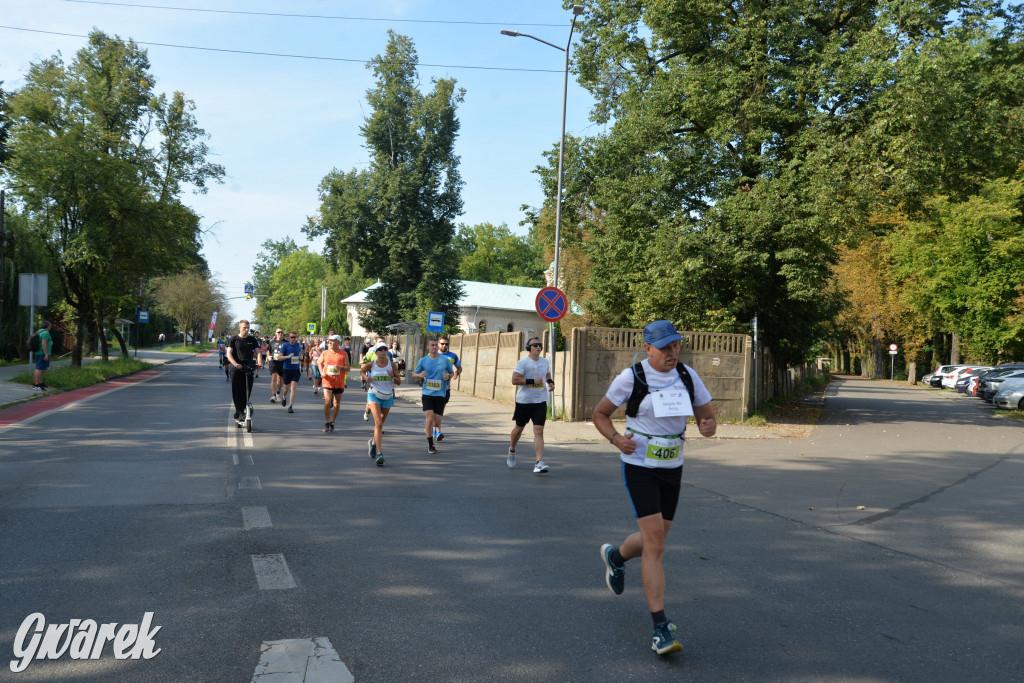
(660, 394)
(532, 377)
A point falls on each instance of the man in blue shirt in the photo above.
(291, 352)
(443, 349)
(435, 370)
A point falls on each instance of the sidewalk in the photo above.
(12, 393)
(495, 417)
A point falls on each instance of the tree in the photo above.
(748, 141)
(105, 198)
(396, 218)
(489, 253)
(189, 298)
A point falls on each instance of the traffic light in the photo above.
(248, 296)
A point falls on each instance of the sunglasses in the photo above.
(539, 346)
(291, 336)
(442, 343)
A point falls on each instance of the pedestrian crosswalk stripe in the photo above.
(256, 517)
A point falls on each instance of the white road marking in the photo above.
(272, 572)
(247, 439)
(256, 517)
(252, 483)
(309, 660)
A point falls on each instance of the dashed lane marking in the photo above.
(256, 517)
(250, 483)
(306, 660)
(272, 572)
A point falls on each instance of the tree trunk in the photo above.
(102, 340)
(954, 351)
(120, 341)
(878, 359)
(80, 332)
(912, 372)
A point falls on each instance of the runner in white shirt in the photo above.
(532, 377)
(383, 377)
(651, 451)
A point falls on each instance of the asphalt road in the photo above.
(455, 568)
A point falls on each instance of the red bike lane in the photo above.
(33, 410)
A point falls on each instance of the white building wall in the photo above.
(497, 319)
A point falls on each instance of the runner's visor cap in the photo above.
(660, 334)
(335, 337)
(380, 346)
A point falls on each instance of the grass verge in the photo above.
(190, 348)
(67, 377)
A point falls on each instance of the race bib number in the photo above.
(381, 378)
(433, 384)
(660, 448)
(277, 355)
(333, 369)
(671, 403)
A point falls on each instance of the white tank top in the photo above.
(382, 380)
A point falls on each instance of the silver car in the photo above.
(1011, 395)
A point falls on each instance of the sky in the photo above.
(279, 122)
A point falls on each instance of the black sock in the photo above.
(617, 559)
(658, 617)
(430, 440)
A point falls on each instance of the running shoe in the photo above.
(664, 640)
(432, 450)
(290, 409)
(438, 435)
(510, 460)
(540, 467)
(332, 426)
(284, 403)
(366, 414)
(614, 576)
(273, 398)
(379, 460)
(327, 427)
(372, 449)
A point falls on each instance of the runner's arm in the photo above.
(602, 419)
(707, 425)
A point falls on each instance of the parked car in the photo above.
(995, 373)
(949, 379)
(940, 372)
(1010, 398)
(965, 377)
(994, 386)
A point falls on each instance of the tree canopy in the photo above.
(396, 217)
(101, 162)
(748, 142)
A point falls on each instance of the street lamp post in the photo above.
(577, 10)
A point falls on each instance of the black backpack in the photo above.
(34, 344)
(640, 388)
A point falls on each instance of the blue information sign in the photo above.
(143, 316)
(435, 321)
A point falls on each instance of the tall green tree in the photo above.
(492, 253)
(396, 217)
(747, 141)
(98, 185)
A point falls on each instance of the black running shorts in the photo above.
(538, 412)
(653, 490)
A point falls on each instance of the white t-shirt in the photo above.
(645, 421)
(532, 369)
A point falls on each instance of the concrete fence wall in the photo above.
(594, 356)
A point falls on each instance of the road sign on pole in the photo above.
(551, 304)
(435, 321)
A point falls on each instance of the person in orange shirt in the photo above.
(333, 364)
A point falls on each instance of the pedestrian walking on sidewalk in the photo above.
(42, 356)
(532, 377)
(660, 394)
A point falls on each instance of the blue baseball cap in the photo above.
(660, 334)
